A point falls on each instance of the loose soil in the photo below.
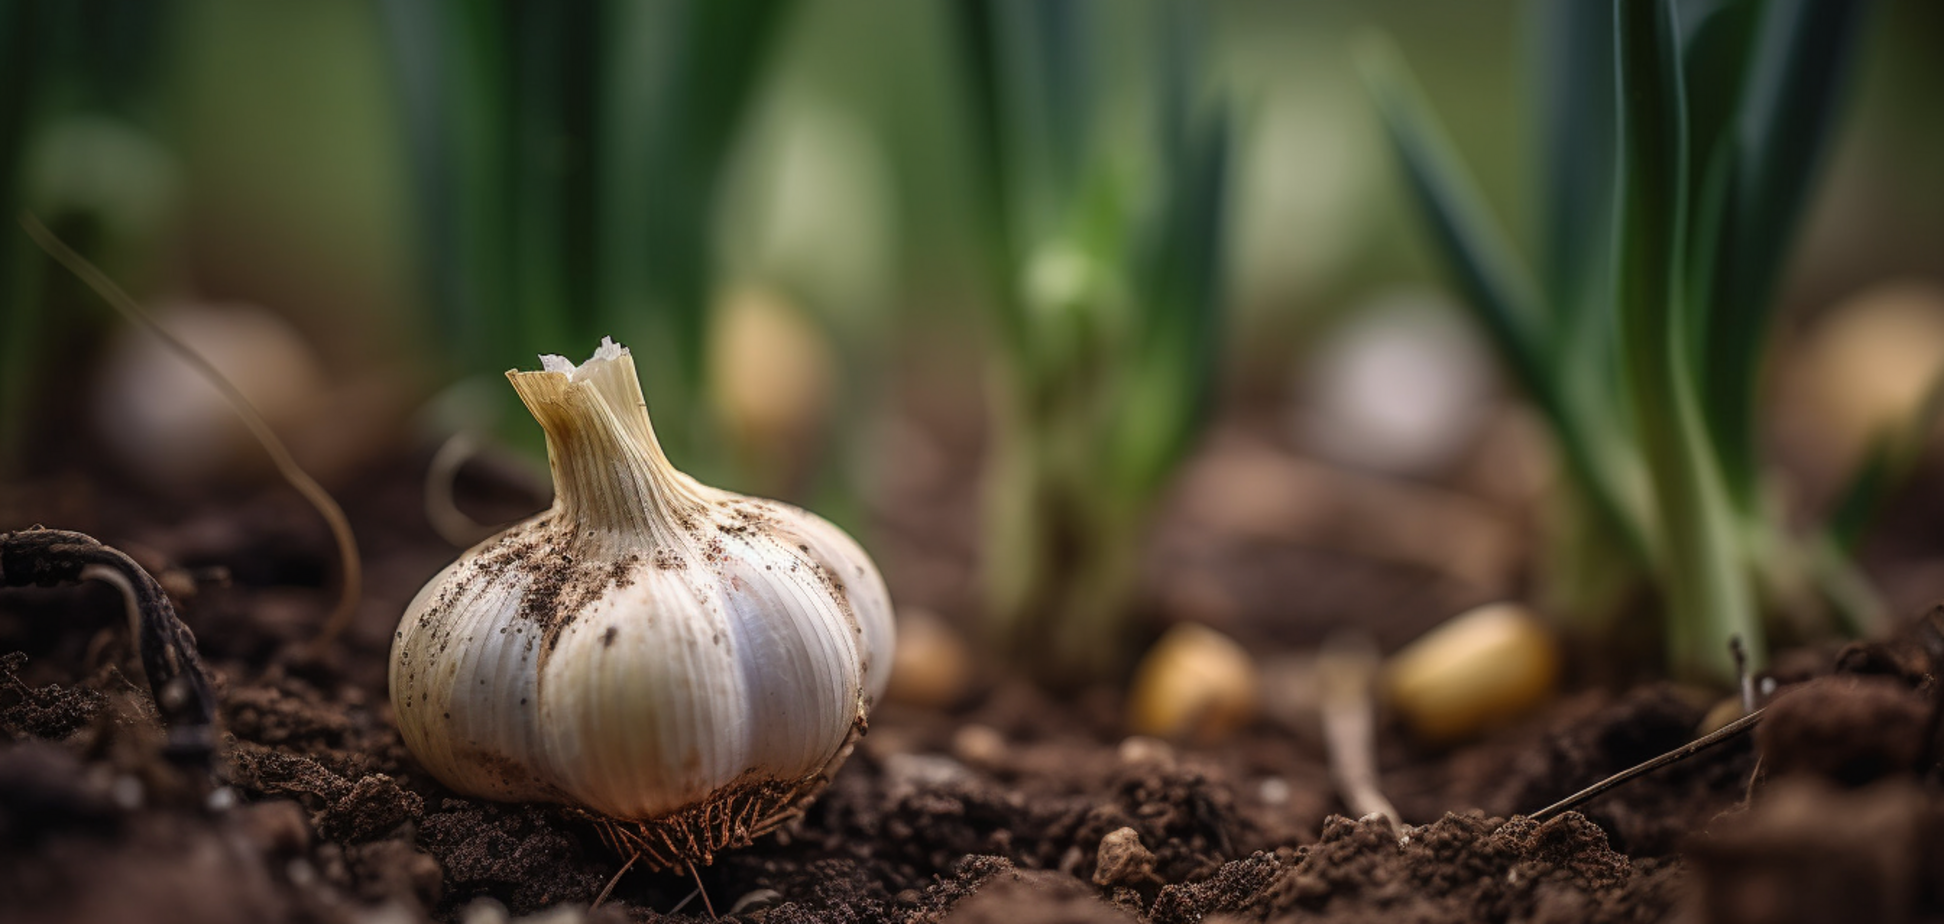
(1010, 807)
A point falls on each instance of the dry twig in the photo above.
(351, 570)
(1681, 753)
(1346, 668)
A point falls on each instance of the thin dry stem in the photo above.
(351, 569)
(598, 899)
(1346, 669)
(452, 524)
(1681, 753)
(704, 892)
(1745, 681)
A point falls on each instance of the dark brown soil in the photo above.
(1013, 808)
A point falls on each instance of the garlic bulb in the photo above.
(686, 663)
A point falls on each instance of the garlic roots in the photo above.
(688, 664)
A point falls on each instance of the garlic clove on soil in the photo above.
(1195, 684)
(933, 666)
(773, 377)
(1869, 366)
(1476, 670)
(167, 424)
(687, 664)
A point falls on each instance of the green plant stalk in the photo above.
(676, 93)
(1106, 309)
(1061, 555)
(1585, 573)
(20, 287)
(1662, 248)
(59, 60)
(1797, 59)
(1059, 549)
(1708, 595)
(1786, 88)
(1084, 441)
(1597, 453)
(567, 158)
(21, 310)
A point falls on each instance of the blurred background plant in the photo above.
(1105, 232)
(79, 105)
(800, 221)
(1681, 139)
(567, 159)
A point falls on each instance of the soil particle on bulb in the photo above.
(560, 588)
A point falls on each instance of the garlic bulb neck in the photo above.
(610, 475)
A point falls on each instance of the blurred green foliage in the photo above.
(486, 181)
(1106, 265)
(1680, 141)
(78, 103)
(567, 160)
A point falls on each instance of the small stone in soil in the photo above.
(1122, 860)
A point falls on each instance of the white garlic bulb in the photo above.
(684, 661)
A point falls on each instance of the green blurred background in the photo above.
(222, 151)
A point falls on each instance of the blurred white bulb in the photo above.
(1401, 387)
(169, 425)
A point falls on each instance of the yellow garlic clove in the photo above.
(1477, 670)
(1194, 684)
(688, 663)
(1870, 364)
(772, 376)
(933, 665)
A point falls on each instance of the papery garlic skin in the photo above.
(650, 649)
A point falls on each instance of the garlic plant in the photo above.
(1102, 181)
(687, 664)
(628, 117)
(1682, 140)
